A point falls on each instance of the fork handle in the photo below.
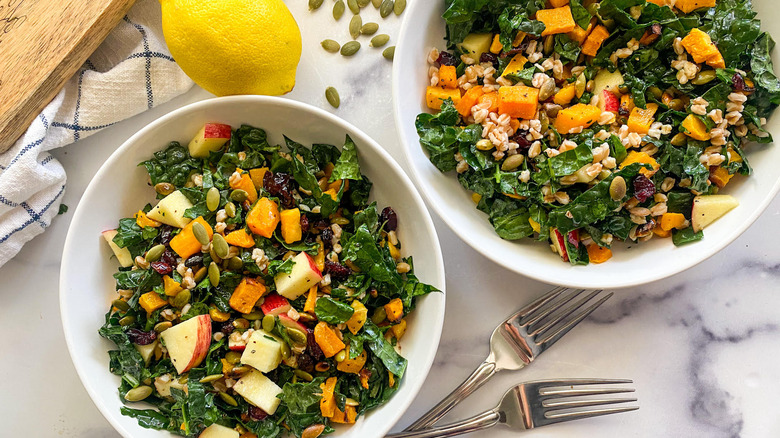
(478, 378)
(473, 424)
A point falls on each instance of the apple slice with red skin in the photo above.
(275, 304)
(609, 101)
(188, 342)
(210, 138)
(558, 243)
(235, 342)
(290, 323)
(303, 276)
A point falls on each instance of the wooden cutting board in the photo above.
(42, 44)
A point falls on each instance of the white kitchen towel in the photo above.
(130, 72)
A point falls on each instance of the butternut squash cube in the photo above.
(594, 40)
(558, 3)
(171, 286)
(448, 77)
(515, 66)
(695, 128)
(263, 218)
(518, 101)
(689, 6)
(565, 95)
(291, 225)
(326, 338)
(496, 47)
(641, 119)
(644, 158)
(435, 96)
(246, 294)
(151, 301)
(246, 184)
(240, 238)
(556, 20)
(394, 310)
(185, 244)
(671, 221)
(328, 401)
(492, 99)
(352, 366)
(358, 318)
(142, 220)
(257, 176)
(347, 417)
(720, 176)
(577, 116)
(469, 100)
(700, 46)
(579, 34)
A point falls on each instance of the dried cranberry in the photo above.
(390, 218)
(279, 184)
(521, 138)
(514, 51)
(162, 268)
(489, 57)
(306, 363)
(337, 271)
(447, 58)
(327, 237)
(312, 346)
(140, 337)
(257, 414)
(168, 257)
(193, 261)
(574, 238)
(623, 111)
(227, 327)
(643, 188)
(166, 232)
(304, 224)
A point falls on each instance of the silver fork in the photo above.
(534, 404)
(516, 342)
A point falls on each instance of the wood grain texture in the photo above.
(42, 44)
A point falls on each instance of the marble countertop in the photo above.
(703, 347)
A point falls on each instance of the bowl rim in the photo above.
(437, 203)
(411, 390)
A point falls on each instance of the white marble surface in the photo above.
(703, 347)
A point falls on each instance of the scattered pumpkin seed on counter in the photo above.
(332, 96)
(338, 9)
(350, 48)
(235, 298)
(379, 40)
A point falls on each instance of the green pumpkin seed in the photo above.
(332, 96)
(338, 9)
(211, 378)
(235, 263)
(353, 6)
(253, 316)
(297, 336)
(314, 4)
(162, 326)
(239, 195)
(363, 3)
(241, 370)
(227, 398)
(330, 45)
(127, 320)
(200, 233)
(286, 352)
(303, 375)
(677, 104)
(399, 7)
(341, 356)
(354, 26)
(181, 299)
(379, 40)
(350, 48)
(512, 162)
(389, 53)
(155, 253)
(214, 274)
(241, 323)
(617, 189)
(379, 315)
(233, 357)
(656, 92)
(121, 305)
(268, 323)
(386, 8)
(212, 199)
(484, 145)
(580, 84)
(369, 28)
(164, 188)
(230, 209)
(220, 246)
(376, 3)
(138, 394)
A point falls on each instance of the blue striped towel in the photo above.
(130, 72)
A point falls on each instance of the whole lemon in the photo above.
(234, 46)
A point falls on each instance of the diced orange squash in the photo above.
(641, 119)
(700, 45)
(364, 376)
(536, 226)
(291, 225)
(257, 176)
(142, 220)
(185, 244)
(151, 301)
(311, 299)
(626, 104)
(565, 95)
(576, 116)
(558, 3)
(733, 156)
(650, 35)
(435, 96)
(720, 176)
(390, 379)
(671, 221)
(495, 46)
(336, 185)
(660, 232)
(227, 367)
(394, 310)
(689, 6)
(352, 366)
(328, 400)
(358, 318)
(246, 294)
(171, 286)
(399, 329)
(717, 61)
(518, 101)
(492, 99)
(515, 66)
(240, 238)
(347, 417)
(319, 259)
(326, 338)
(263, 218)
(333, 193)
(695, 128)
(644, 158)
(594, 40)
(448, 78)
(246, 184)
(598, 254)
(469, 100)
(394, 253)
(514, 124)
(579, 34)
(519, 37)
(556, 20)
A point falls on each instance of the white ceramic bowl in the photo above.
(423, 29)
(119, 189)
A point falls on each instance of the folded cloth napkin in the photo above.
(130, 72)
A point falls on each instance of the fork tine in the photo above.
(561, 312)
(558, 417)
(550, 307)
(576, 319)
(581, 392)
(541, 384)
(568, 404)
(539, 302)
